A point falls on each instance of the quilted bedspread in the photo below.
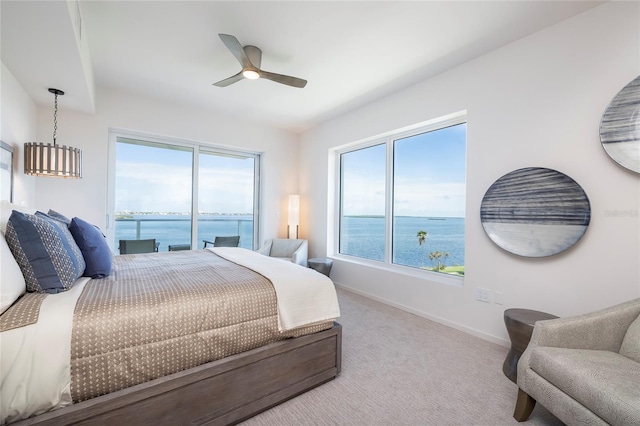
(161, 313)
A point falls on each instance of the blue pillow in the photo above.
(94, 247)
(59, 216)
(46, 252)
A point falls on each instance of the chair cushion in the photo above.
(94, 248)
(631, 342)
(284, 248)
(46, 252)
(604, 382)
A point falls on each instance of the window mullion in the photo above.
(388, 196)
(195, 179)
(256, 202)
(339, 201)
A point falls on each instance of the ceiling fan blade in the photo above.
(284, 79)
(227, 81)
(235, 47)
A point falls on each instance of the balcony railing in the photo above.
(177, 231)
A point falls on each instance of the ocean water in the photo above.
(363, 236)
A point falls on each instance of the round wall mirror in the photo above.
(535, 212)
(620, 127)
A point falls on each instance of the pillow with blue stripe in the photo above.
(59, 216)
(46, 252)
(94, 248)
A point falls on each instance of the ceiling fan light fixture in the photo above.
(250, 58)
(250, 74)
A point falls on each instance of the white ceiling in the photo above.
(350, 52)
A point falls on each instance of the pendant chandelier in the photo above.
(52, 160)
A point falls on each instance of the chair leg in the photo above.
(524, 406)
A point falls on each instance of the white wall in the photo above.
(535, 102)
(18, 113)
(87, 197)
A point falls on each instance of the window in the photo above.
(402, 198)
(363, 203)
(153, 193)
(226, 194)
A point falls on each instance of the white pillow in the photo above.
(5, 211)
(12, 284)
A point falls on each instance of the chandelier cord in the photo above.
(55, 120)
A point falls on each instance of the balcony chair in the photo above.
(223, 241)
(179, 247)
(292, 250)
(138, 246)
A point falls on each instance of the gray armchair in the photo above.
(295, 251)
(584, 369)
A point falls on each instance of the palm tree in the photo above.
(422, 236)
(437, 256)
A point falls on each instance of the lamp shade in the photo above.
(294, 215)
(294, 210)
(52, 160)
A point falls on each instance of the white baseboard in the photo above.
(434, 318)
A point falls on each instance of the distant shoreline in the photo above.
(129, 213)
(364, 216)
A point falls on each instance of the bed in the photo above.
(209, 336)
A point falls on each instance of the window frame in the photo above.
(196, 148)
(388, 138)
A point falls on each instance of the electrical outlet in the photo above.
(498, 298)
(483, 294)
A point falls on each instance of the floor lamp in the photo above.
(294, 216)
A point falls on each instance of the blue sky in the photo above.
(152, 179)
(429, 177)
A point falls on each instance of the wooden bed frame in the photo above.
(221, 392)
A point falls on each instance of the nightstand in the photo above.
(321, 264)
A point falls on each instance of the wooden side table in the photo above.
(519, 323)
(321, 264)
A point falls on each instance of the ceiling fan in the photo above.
(250, 58)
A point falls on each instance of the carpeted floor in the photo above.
(401, 369)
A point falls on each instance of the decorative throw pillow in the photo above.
(46, 252)
(64, 229)
(59, 216)
(12, 284)
(94, 248)
(631, 342)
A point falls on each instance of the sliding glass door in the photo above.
(182, 194)
(226, 193)
(153, 185)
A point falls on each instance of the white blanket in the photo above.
(304, 296)
(36, 359)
